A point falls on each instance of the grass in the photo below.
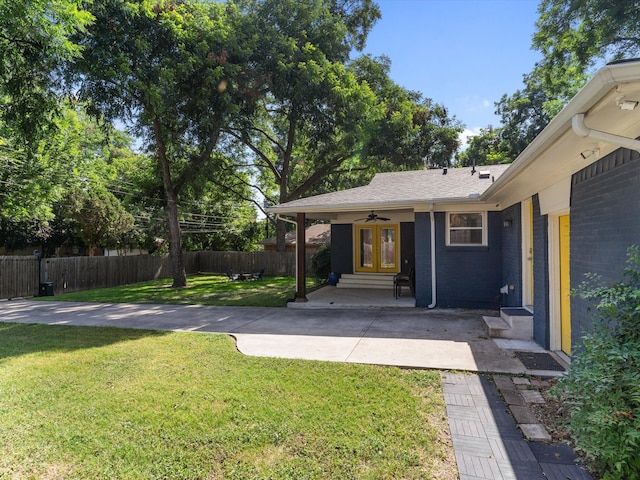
(201, 289)
(79, 402)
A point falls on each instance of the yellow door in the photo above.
(530, 257)
(377, 248)
(527, 253)
(565, 286)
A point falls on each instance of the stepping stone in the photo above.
(503, 383)
(540, 383)
(520, 381)
(511, 397)
(532, 396)
(535, 432)
(523, 414)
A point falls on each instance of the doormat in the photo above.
(539, 361)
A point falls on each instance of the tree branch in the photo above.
(195, 165)
(255, 150)
(270, 138)
(315, 176)
(239, 194)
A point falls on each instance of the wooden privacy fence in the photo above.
(19, 275)
(274, 263)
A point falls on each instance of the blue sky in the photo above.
(464, 54)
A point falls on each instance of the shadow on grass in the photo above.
(17, 339)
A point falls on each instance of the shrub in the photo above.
(601, 391)
(321, 262)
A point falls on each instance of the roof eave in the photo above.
(604, 80)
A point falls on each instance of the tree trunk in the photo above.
(281, 231)
(281, 227)
(178, 271)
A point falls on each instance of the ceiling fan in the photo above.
(372, 217)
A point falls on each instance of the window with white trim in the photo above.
(466, 229)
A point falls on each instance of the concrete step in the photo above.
(366, 280)
(496, 326)
(513, 323)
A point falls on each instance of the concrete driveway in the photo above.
(417, 338)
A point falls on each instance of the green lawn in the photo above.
(201, 289)
(79, 402)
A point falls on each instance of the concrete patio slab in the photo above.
(353, 298)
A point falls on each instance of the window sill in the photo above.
(467, 248)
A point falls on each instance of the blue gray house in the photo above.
(520, 235)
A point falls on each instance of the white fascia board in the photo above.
(606, 79)
(417, 205)
(348, 207)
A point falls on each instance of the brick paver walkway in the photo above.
(489, 445)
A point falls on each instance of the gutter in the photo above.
(577, 122)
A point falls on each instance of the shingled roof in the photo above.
(403, 189)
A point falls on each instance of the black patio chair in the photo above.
(232, 276)
(404, 280)
(258, 276)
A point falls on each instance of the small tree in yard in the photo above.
(601, 391)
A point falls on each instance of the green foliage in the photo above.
(486, 148)
(101, 219)
(77, 161)
(34, 43)
(602, 388)
(412, 132)
(321, 262)
(579, 32)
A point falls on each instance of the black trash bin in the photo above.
(46, 289)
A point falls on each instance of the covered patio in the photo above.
(354, 298)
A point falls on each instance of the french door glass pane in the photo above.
(387, 247)
(366, 248)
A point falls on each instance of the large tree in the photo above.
(328, 121)
(172, 69)
(312, 110)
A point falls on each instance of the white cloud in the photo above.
(465, 135)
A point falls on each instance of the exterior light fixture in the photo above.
(590, 153)
(628, 104)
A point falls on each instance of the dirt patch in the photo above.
(554, 417)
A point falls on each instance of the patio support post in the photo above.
(301, 264)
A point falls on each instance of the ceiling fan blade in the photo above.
(384, 219)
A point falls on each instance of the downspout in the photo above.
(577, 122)
(433, 258)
